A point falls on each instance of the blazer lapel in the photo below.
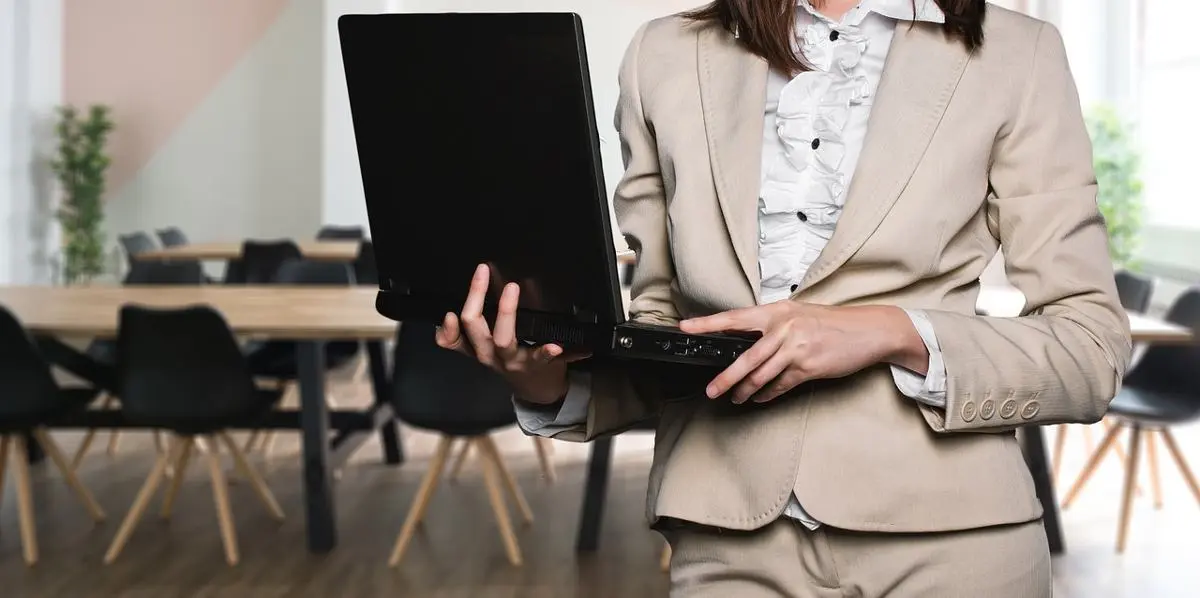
(919, 78)
(733, 88)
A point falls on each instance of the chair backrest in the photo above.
(27, 387)
(365, 270)
(180, 367)
(1134, 291)
(341, 233)
(171, 236)
(135, 243)
(261, 260)
(445, 391)
(1174, 368)
(154, 272)
(307, 272)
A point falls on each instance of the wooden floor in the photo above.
(459, 554)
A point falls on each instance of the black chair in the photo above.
(104, 352)
(277, 360)
(135, 244)
(454, 396)
(183, 371)
(30, 400)
(261, 260)
(1134, 291)
(172, 236)
(341, 233)
(1163, 390)
(366, 272)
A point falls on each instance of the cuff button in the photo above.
(969, 411)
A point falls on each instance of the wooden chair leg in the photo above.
(664, 561)
(181, 462)
(251, 441)
(256, 482)
(421, 501)
(544, 447)
(487, 446)
(1060, 445)
(60, 461)
(20, 461)
(114, 442)
(1152, 457)
(461, 459)
(491, 479)
(84, 446)
(1092, 465)
(138, 509)
(221, 500)
(1173, 448)
(1131, 471)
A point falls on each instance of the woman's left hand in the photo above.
(803, 341)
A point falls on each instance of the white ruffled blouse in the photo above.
(814, 128)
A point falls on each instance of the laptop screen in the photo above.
(477, 142)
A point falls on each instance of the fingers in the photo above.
(505, 333)
(743, 320)
(749, 361)
(473, 322)
(449, 334)
(547, 353)
(762, 376)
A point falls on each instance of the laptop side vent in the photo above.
(545, 328)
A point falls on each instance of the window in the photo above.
(1168, 86)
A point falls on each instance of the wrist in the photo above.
(903, 345)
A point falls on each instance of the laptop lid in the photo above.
(477, 142)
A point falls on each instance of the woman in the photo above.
(836, 175)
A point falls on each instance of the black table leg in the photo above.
(314, 423)
(393, 451)
(33, 450)
(1039, 465)
(594, 494)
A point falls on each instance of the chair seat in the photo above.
(192, 425)
(460, 428)
(67, 401)
(1156, 407)
(276, 359)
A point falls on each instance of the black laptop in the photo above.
(477, 141)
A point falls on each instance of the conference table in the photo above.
(316, 250)
(309, 316)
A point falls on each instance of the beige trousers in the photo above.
(787, 560)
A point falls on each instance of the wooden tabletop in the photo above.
(1008, 302)
(324, 251)
(283, 312)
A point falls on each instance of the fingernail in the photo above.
(711, 391)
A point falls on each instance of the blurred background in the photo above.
(201, 152)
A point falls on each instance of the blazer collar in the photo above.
(920, 75)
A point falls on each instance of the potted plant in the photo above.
(80, 166)
(1118, 173)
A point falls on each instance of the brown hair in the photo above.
(766, 27)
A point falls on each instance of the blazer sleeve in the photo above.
(626, 394)
(1062, 361)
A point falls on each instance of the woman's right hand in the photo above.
(537, 374)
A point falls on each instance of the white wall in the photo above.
(30, 88)
(246, 162)
(609, 25)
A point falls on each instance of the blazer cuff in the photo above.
(571, 412)
(929, 389)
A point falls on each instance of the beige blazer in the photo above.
(964, 153)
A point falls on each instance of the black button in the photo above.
(802, 216)
(794, 287)
(816, 143)
(834, 35)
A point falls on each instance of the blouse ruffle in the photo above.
(802, 195)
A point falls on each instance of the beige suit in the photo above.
(964, 153)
